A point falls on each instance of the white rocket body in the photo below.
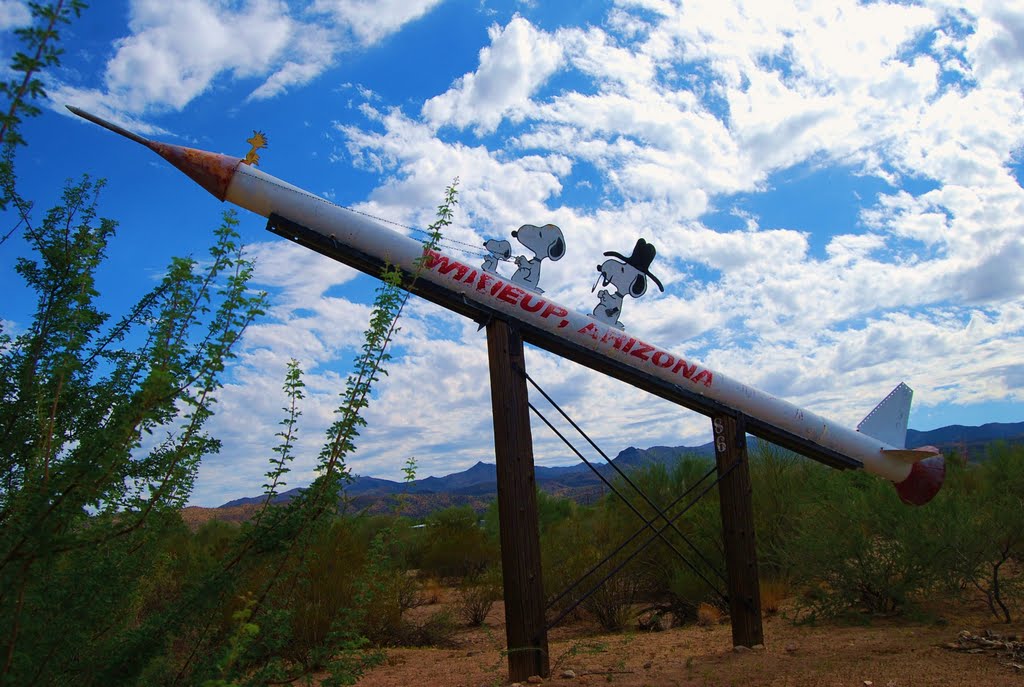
(878, 445)
(264, 194)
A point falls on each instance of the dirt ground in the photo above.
(885, 653)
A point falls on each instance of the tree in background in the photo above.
(986, 528)
(102, 419)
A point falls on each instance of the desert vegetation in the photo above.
(102, 430)
(832, 545)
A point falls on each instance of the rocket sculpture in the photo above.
(596, 340)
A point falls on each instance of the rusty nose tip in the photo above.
(212, 171)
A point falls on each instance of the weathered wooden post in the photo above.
(734, 495)
(525, 627)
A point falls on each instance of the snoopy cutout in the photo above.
(545, 242)
(628, 276)
(497, 249)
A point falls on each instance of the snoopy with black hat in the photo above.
(628, 275)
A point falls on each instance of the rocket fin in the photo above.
(888, 421)
(911, 455)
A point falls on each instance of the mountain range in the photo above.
(476, 486)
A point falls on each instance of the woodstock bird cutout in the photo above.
(628, 275)
(257, 141)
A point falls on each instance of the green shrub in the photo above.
(455, 546)
(860, 549)
(477, 594)
(437, 630)
(612, 604)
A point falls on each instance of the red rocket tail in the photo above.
(924, 481)
(212, 171)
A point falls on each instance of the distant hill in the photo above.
(971, 441)
(476, 487)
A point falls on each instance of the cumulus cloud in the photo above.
(685, 108)
(518, 61)
(847, 87)
(371, 20)
(175, 52)
(13, 13)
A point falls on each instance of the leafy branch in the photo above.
(289, 531)
(40, 41)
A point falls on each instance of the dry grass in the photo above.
(432, 591)
(773, 593)
(708, 615)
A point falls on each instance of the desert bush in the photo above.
(985, 529)
(326, 584)
(551, 510)
(655, 576)
(684, 593)
(785, 485)
(455, 546)
(860, 549)
(567, 552)
(477, 594)
(679, 577)
(612, 604)
(587, 539)
(437, 630)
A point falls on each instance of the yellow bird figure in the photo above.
(258, 140)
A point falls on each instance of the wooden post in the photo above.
(737, 509)
(525, 626)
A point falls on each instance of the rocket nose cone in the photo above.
(924, 481)
(212, 171)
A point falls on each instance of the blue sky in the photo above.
(834, 192)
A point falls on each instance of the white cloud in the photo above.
(13, 13)
(518, 61)
(308, 58)
(372, 20)
(996, 47)
(176, 52)
(416, 165)
(679, 108)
